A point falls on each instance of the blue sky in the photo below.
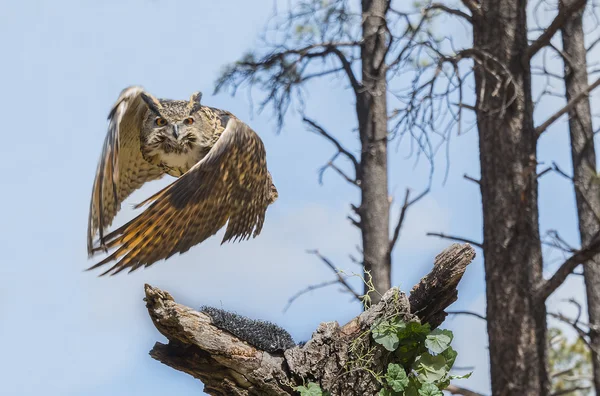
(67, 332)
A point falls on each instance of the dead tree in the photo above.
(339, 359)
(583, 153)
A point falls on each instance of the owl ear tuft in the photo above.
(195, 102)
(152, 102)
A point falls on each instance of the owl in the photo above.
(221, 176)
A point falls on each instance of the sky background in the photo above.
(68, 332)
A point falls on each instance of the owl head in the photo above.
(172, 126)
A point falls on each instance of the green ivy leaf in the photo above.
(311, 389)
(450, 355)
(386, 392)
(385, 333)
(396, 377)
(438, 340)
(430, 368)
(430, 390)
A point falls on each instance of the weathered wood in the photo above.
(229, 366)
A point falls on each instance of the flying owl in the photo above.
(221, 170)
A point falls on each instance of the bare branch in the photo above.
(566, 268)
(474, 7)
(564, 13)
(318, 129)
(455, 238)
(356, 85)
(471, 178)
(469, 313)
(333, 166)
(452, 11)
(572, 103)
(307, 290)
(340, 278)
(407, 204)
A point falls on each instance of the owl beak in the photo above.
(175, 131)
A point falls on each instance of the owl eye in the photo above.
(188, 121)
(160, 121)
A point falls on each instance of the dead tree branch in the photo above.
(468, 313)
(455, 238)
(564, 13)
(579, 257)
(568, 107)
(451, 11)
(321, 131)
(228, 365)
(407, 204)
(473, 6)
(340, 278)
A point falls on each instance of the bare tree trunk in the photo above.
(587, 190)
(509, 189)
(371, 108)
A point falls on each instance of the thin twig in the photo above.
(469, 313)
(471, 178)
(340, 279)
(455, 238)
(407, 204)
(452, 11)
(318, 129)
(307, 290)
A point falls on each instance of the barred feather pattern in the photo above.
(121, 168)
(230, 185)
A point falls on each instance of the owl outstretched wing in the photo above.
(121, 169)
(231, 184)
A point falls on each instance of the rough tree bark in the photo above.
(371, 109)
(229, 366)
(516, 322)
(583, 153)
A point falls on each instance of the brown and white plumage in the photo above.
(228, 181)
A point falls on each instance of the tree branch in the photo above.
(307, 290)
(474, 7)
(566, 268)
(318, 129)
(468, 313)
(356, 85)
(455, 238)
(572, 103)
(340, 278)
(228, 365)
(407, 204)
(564, 13)
(452, 11)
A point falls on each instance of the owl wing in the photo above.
(230, 184)
(121, 169)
